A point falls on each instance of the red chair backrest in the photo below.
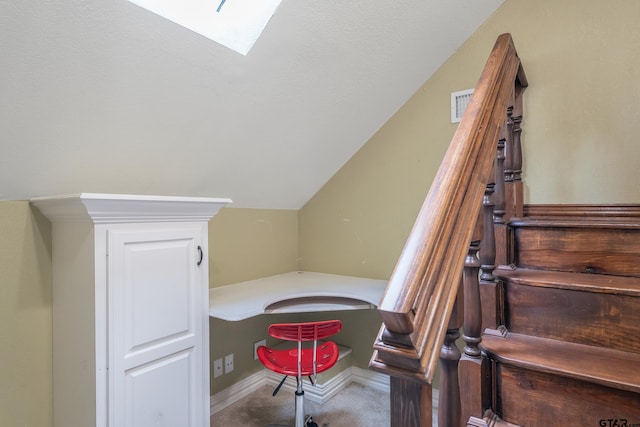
(307, 331)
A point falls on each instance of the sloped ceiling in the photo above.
(104, 96)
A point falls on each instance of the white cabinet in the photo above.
(130, 309)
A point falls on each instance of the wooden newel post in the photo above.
(410, 403)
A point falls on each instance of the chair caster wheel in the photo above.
(308, 422)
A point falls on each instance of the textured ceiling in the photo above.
(104, 96)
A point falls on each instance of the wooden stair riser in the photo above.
(570, 301)
(579, 249)
(536, 399)
(591, 318)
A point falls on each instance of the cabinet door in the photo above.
(155, 291)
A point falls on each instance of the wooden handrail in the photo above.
(418, 301)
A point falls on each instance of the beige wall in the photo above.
(25, 317)
(245, 244)
(583, 64)
(580, 132)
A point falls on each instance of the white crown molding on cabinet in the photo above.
(118, 208)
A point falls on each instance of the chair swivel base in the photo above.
(301, 420)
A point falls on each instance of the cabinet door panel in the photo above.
(157, 298)
(154, 288)
(152, 403)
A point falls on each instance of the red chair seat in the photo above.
(286, 361)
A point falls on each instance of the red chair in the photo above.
(301, 361)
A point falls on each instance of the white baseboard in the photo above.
(371, 379)
(239, 390)
(319, 393)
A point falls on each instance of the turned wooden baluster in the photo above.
(473, 368)
(488, 251)
(449, 388)
(500, 243)
(513, 161)
(509, 159)
(516, 131)
(496, 249)
(473, 312)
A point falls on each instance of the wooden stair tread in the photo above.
(603, 283)
(617, 211)
(611, 368)
(577, 222)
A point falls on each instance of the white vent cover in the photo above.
(459, 102)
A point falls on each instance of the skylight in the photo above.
(236, 24)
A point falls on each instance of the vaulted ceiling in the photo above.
(104, 96)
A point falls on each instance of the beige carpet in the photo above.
(355, 405)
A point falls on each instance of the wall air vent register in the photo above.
(459, 102)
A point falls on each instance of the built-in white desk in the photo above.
(295, 292)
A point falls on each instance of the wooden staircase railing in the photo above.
(421, 319)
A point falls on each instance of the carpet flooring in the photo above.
(355, 405)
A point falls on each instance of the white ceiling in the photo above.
(104, 96)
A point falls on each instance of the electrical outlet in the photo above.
(255, 348)
(217, 368)
(228, 363)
